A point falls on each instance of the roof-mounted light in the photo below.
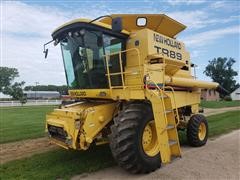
(77, 34)
(82, 32)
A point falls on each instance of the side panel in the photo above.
(96, 119)
(183, 98)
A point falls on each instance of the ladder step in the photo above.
(168, 111)
(172, 142)
(164, 96)
(170, 127)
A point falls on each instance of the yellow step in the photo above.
(170, 127)
(172, 142)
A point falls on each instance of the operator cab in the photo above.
(84, 48)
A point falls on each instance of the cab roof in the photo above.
(86, 21)
(160, 23)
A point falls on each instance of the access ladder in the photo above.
(166, 121)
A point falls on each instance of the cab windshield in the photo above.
(83, 55)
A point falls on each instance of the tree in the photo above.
(15, 90)
(221, 71)
(7, 86)
(7, 75)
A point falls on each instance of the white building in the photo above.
(41, 94)
(235, 95)
(4, 96)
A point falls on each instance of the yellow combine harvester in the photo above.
(133, 88)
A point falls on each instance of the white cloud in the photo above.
(200, 18)
(27, 57)
(20, 18)
(218, 4)
(226, 6)
(188, 2)
(193, 19)
(196, 53)
(203, 38)
(25, 28)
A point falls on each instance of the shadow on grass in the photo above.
(58, 164)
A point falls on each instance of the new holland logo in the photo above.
(168, 42)
(78, 93)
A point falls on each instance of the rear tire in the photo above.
(197, 130)
(126, 139)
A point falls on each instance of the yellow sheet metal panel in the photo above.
(184, 98)
(166, 47)
(128, 94)
(138, 40)
(153, 45)
(96, 119)
(160, 23)
(155, 72)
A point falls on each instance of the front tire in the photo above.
(126, 139)
(197, 130)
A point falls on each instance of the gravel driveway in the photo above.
(218, 159)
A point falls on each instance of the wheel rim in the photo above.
(149, 139)
(202, 130)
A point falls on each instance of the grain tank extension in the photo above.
(133, 88)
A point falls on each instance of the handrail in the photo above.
(138, 72)
(161, 94)
(162, 91)
(164, 72)
(109, 78)
(121, 69)
(125, 72)
(170, 87)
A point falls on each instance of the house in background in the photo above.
(210, 95)
(235, 95)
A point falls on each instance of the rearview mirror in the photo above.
(46, 53)
(117, 24)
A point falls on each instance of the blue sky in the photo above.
(213, 30)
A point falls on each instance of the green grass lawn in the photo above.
(58, 164)
(219, 104)
(18, 123)
(64, 164)
(218, 124)
(223, 123)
